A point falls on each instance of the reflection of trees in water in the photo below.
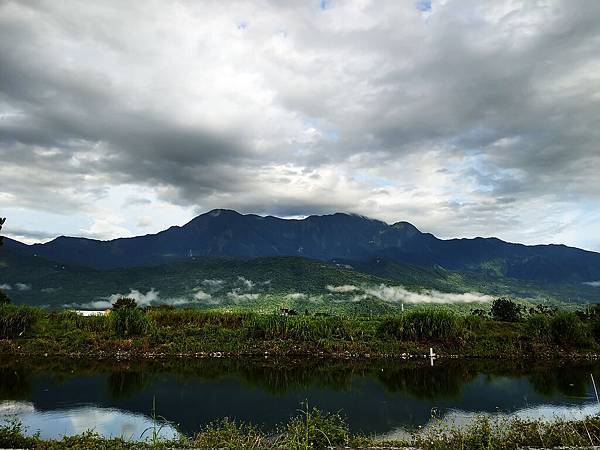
(569, 378)
(273, 375)
(425, 382)
(569, 381)
(15, 384)
(124, 383)
(282, 378)
(282, 375)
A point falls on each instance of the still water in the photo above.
(386, 398)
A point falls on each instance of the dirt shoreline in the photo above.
(127, 355)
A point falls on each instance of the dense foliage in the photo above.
(167, 330)
(123, 303)
(276, 280)
(506, 310)
(129, 322)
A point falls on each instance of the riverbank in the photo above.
(312, 428)
(385, 399)
(162, 333)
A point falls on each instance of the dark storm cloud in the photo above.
(460, 115)
(30, 234)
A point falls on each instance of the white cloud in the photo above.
(238, 296)
(5, 287)
(342, 289)
(296, 296)
(202, 296)
(213, 284)
(592, 283)
(400, 294)
(152, 297)
(23, 287)
(247, 284)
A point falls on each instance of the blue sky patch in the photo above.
(424, 5)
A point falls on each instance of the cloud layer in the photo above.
(466, 118)
(399, 294)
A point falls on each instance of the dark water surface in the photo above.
(377, 397)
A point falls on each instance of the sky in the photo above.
(463, 117)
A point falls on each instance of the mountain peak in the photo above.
(215, 213)
(221, 212)
(406, 227)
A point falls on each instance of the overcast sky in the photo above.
(463, 117)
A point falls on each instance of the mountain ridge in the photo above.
(223, 232)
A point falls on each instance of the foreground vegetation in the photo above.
(507, 331)
(312, 428)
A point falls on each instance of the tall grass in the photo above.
(129, 322)
(229, 434)
(512, 433)
(269, 327)
(92, 324)
(163, 317)
(314, 429)
(424, 324)
(16, 321)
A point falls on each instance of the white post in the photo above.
(431, 355)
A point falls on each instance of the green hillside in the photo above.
(264, 284)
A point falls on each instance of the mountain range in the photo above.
(354, 239)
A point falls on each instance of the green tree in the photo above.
(505, 310)
(4, 299)
(124, 303)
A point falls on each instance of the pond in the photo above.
(387, 398)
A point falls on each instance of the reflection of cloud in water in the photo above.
(12, 408)
(457, 418)
(57, 423)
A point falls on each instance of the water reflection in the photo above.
(76, 420)
(458, 418)
(376, 396)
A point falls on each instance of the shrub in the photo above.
(4, 299)
(423, 325)
(316, 429)
(542, 309)
(538, 327)
(12, 435)
(567, 328)
(505, 310)
(16, 321)
(478, 312)
(229, 434)
(129, 322)
(124, 303)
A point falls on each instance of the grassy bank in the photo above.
(168, 332)
(312, 428)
